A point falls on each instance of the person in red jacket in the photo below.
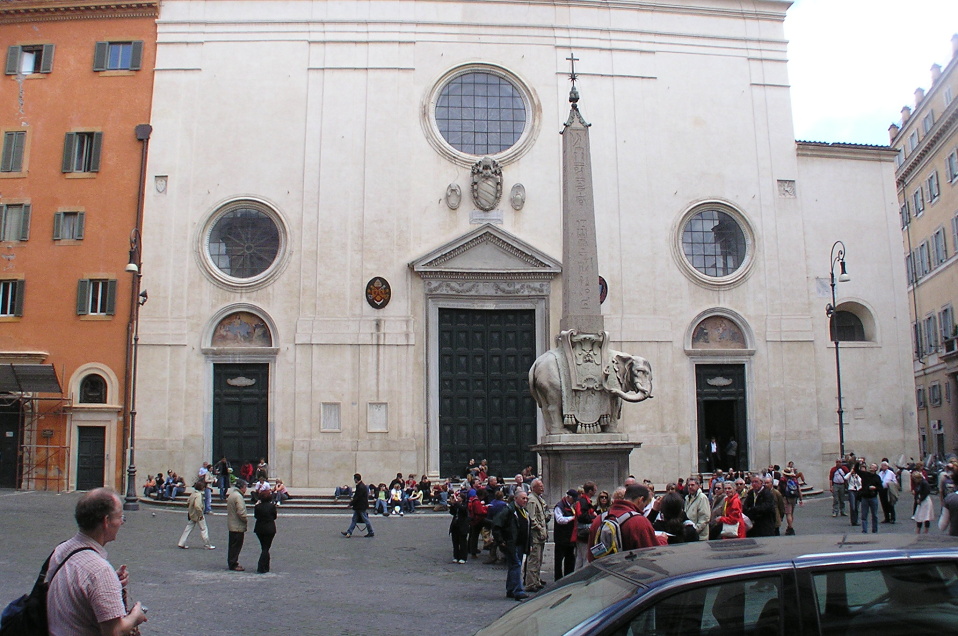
(477, 519)
(636, 531)
(732, 512)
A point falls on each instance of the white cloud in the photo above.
(853, 64)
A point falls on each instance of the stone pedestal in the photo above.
(570, 460)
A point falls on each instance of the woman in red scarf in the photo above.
(733, 510)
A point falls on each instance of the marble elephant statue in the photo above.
(627, 377)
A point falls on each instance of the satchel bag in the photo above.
(582, 532)
(748, 523)
(730, 531)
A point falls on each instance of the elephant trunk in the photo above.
(631, 396)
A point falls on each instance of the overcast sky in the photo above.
(853, 64)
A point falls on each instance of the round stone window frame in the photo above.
(265, 277)
(431, 129)
(678, 251)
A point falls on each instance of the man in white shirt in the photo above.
(888, 495)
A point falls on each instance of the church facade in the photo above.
(352, 238)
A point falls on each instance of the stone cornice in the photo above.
(13, 11)
(844, 151)
(928, 144)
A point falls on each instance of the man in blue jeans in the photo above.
(871, 485)
(360, 506)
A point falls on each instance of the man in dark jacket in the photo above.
(512, 530)
(360, 506)
(564, 534)
(871, 487)
(759, 506)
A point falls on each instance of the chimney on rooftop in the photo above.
(919, 96)
(893, 131)
(935, 73)
(905, 114)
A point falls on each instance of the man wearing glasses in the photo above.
(86, 595)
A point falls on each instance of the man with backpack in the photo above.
(623, 527)
(86, 597)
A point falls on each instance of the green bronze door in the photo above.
(240, 412)
(485, 408)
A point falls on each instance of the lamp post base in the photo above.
(130, 502)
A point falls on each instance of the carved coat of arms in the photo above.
(486, 183)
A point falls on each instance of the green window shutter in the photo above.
(100, 53)
(13, 60)
(95, 153)
(57, 220)
(19, 141)
(25, 222)
(18, 298)
(111, 297)
(46, 62)
(69, 145)
(6, 162)
(83, 297)
(79, 226)
(136, 55)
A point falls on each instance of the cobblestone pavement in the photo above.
(400, 582)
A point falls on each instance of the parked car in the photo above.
(884, 584)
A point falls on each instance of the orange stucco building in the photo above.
(78, 81)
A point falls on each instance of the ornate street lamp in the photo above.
(837, 258)
(137, 299)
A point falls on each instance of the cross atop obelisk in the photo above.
(580, 262)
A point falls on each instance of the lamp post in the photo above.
(137, 300)
(837, 258)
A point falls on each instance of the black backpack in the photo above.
(27, 616)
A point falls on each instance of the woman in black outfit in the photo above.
(673, 521)
(459, 527)
(265, 528)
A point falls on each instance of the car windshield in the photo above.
(579, 596)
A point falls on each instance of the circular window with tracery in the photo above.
(479, 110)
(244, 243)
(715, 244)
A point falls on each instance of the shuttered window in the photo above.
(29, 59)
(14, 142)
(81, 152)
(118, 56)
(15, 222)
(68, 226)
(11, 298)
(96, 297)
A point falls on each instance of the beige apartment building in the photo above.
(927, 182)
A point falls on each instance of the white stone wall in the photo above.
(317, 109)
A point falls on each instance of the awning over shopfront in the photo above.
(29, 378)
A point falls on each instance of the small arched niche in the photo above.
(717, 332)
(854, 323)
(241, 329)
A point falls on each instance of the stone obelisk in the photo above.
(580, 384)
(580, 259)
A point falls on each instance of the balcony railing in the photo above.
(949, 347)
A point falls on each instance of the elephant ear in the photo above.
(623, 371)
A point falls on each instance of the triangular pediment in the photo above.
(484, 253)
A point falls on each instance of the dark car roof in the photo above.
(651, 565)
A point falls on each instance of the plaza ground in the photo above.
(402, 581)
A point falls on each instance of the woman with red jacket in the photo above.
(733, 510)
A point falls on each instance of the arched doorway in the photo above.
(241, 387)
